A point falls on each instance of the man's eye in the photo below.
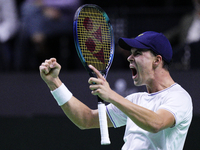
(137, 53)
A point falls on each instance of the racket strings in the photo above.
(94, 38)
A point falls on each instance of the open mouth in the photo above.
(134, 72)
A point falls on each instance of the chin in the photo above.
(136, 83)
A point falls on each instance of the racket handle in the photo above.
(103, 124)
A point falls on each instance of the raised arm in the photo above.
(80, 114)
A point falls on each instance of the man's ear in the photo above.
(157, 61)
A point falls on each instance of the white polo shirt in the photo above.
(174, 99)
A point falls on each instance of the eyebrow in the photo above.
(141, 50)
(144, 50)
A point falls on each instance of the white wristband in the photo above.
(62, 95)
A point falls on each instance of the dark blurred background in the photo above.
(30, 118)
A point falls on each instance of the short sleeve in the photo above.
(179, 104)
(117, 117)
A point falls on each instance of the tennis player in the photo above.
(158, 119)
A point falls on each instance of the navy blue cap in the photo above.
(151, 40)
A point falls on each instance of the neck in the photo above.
(160, 81)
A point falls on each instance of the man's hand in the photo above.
(100, 86)
(49, 71)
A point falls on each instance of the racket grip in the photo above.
(103, 124)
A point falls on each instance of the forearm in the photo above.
(80, 114)
(144, 118)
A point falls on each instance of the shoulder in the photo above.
(177, 96)
(177, 91)
(179, 102)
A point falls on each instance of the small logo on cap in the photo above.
(140, 34)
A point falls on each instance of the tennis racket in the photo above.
(94, 42)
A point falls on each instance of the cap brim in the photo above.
(127, 44)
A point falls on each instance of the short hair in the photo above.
(165, 64)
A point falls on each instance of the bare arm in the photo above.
(80, 114)
(144, 118)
